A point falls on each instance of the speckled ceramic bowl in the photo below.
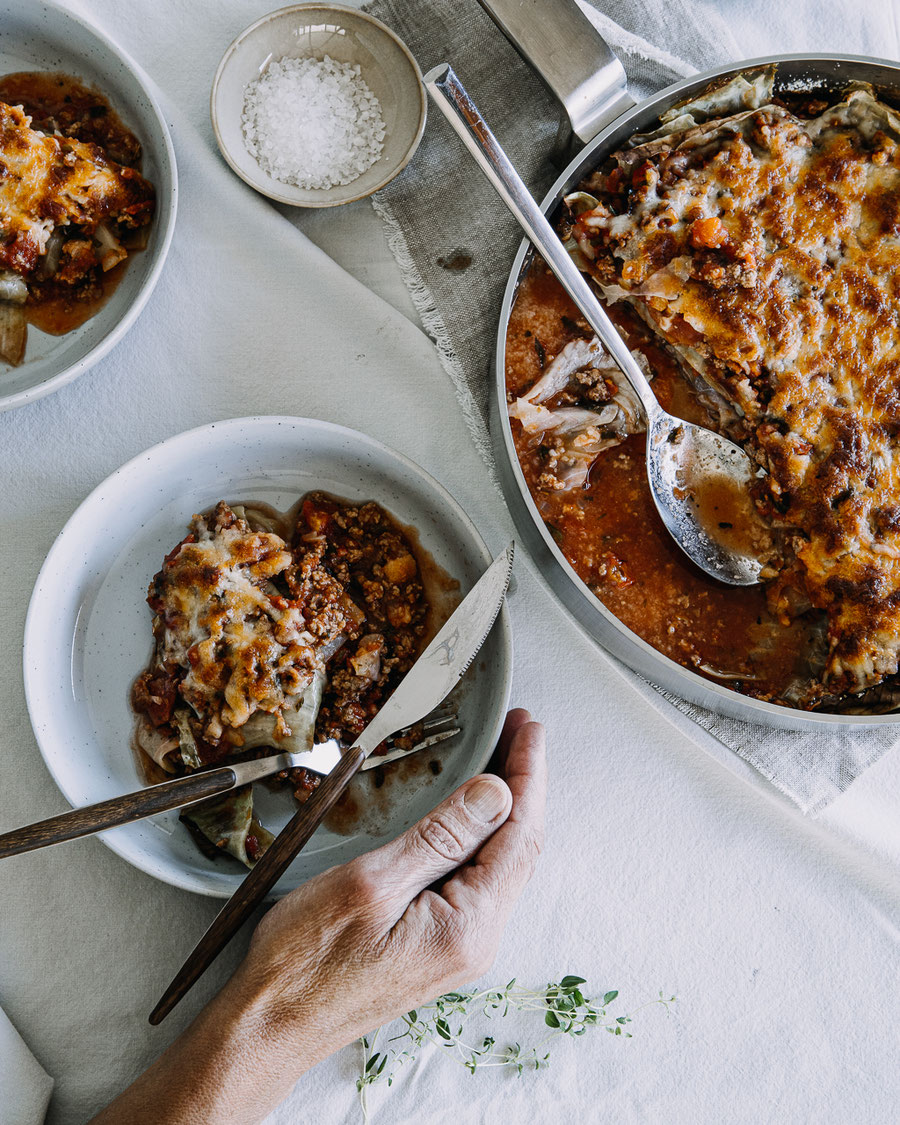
(39, 36)
(87, 635)
(345, 35)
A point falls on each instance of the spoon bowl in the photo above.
(699, 480)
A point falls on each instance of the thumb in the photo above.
(445, 838)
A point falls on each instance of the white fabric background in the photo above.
(662, 869)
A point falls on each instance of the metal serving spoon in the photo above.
(691, 469)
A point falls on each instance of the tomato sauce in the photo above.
(611, 534)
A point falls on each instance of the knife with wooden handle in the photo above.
(433, 676)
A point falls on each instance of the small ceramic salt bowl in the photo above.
(315, 31)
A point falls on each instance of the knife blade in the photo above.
(433, 676)
(446, 659)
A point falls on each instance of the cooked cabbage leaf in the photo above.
(299, 715)
(229, 824)
(579, 433)
(228, 821)
(187, 742)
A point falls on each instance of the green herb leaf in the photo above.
(565, 1009)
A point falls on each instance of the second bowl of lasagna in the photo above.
(87, 198)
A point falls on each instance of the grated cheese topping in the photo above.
(245, 647)
(764, 248)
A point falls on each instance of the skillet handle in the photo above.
(558, 40)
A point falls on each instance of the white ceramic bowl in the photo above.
(347, 36)
(35, 35)
(87, 635)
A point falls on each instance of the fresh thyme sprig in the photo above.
(563, 1005)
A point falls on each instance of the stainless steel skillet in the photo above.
(589, 81)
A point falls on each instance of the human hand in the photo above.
(364, 942)
(358, 945)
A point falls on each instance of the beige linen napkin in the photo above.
(455, 242)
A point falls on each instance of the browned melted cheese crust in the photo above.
(764, 248)
(239, 645)
(275, 630)
(51, 180)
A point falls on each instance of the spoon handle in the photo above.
(451, 98)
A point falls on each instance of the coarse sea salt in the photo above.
(313, 123)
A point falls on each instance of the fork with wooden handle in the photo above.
(429, 681)
(183, 791)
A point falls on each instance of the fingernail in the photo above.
(485, 799)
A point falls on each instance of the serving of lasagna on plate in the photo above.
(749, 251)
(274, 632)
(73, 204)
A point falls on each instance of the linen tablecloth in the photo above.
(661, 870)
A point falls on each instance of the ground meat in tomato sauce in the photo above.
(366, 553)
(57, 103)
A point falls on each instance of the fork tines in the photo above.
(439, 726)
(438, 722)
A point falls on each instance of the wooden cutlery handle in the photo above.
(262, 878)
(116, 811)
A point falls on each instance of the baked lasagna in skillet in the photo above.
(749, 250)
